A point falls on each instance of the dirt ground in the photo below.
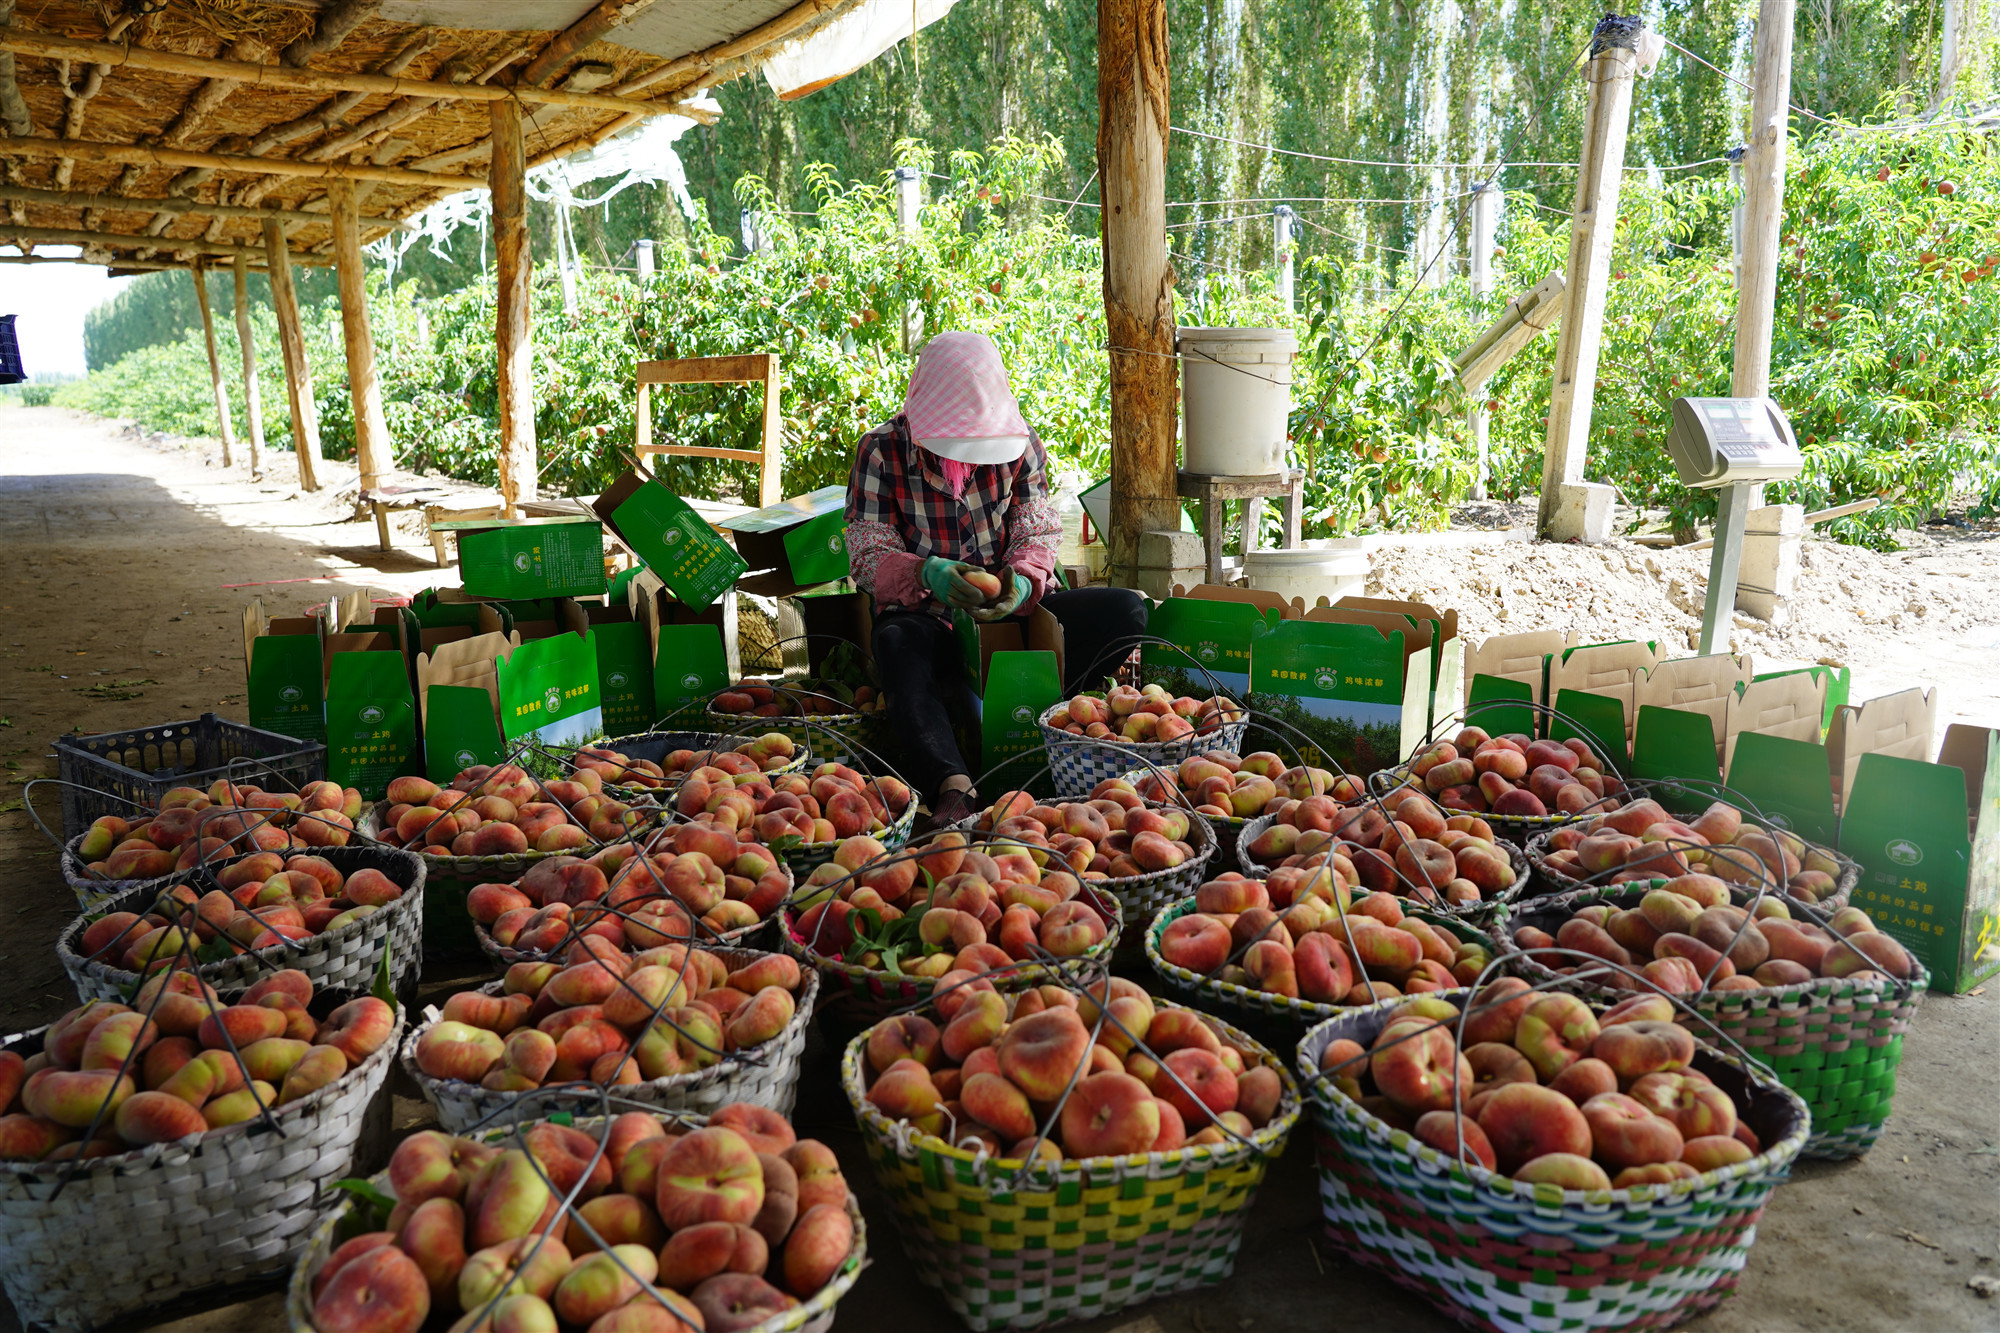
(130, 563)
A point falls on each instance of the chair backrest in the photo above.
(749, 368)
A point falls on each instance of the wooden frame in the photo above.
(749, 368)
(1215, 493)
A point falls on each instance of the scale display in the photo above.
(1717, 441)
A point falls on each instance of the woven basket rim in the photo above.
(1388, 779)
(916, 988)
(801, 756)
(1242, 996)
(1771, 1158)
(149, 1157)
(298, 1303)
(282, 956)
(1268, 1141)
(1764, 997)
(1152, 750)
(817, 719)
(1843, 889)
(81, 881)
(1524, 869)
(507, 953)
(460, 867)
(899, 830)
(802, 1012)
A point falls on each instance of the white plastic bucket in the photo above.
(1236, 397)
(1310, 571)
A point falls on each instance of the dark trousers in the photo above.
(923, 670)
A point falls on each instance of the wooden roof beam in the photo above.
(105, 203)
(85, 150)
(697, 62)
(22, 42)
(97, 240)
(606, 16)
(330, 26)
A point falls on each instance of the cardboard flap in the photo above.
(1966, 748)
(1899, 725)
(1260, 598)
(1040, 633)
(1447, 620)
(1523, 658)
(1704, 685)
(450, 664)
(1609, 669)
(1787, 706)
(1417, 634)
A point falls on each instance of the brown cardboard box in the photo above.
(1899, 725)
(1704, 685)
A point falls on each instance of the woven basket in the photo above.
(813, 1316)
(1556, 882)
(807, 857)
(1517, 1258)
(94, 893)
(1073, 1239)
(1226, 828)
(853, 739)
(868, 995)
(657, 745)
(1079, 763)
(1140, 896)
(1259, 1007)
(1836, 1042)
(1516, 828)
(1485, 907)
(131, 1232)
(766, 1075)
(344, 959)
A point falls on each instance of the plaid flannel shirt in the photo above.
(899, 511)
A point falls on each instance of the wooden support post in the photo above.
(292, 341)
(1571, 510)
(1479, 256)
(512, 270)
(1132, 128)
(253, 400)
(1763, 200)
(372, 451)
(227, 430)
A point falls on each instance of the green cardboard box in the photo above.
(1446, 651)
(624, 667)
(1017, 670)
(283, 681)
(677, 544)
(548, 690)
(371, 711)
(795, 544)
(1208, 633)
(514, 558)
(458, 703)
(1340, 693)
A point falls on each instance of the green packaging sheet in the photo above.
(1343, 687)
(1207, 638)
(371, 721)
(459, 731)
(286, 693)
(548, 690)
(688, 670)
(624, 677)
(532, 557)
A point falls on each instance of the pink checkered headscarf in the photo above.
(960, 407)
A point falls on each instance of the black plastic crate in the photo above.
(118, 771)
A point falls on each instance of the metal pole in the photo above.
(1281, 251)
(645, 254)
(1481, 270)
(1733, 506)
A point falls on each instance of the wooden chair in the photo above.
(749, 368)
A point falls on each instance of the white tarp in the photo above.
(847, 43)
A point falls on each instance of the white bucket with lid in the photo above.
(1310, 571)
(1236, 399)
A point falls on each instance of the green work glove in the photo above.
(1010, 600)
(946, 581)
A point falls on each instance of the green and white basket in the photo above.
(1510, 1257)
(1556, 881)
(1009, 1247)
(806, 857)
(1079, 763)
(1836, 1042)
(1523, 868)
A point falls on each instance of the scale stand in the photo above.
(1733, 506)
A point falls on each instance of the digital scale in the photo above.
(1730, 444)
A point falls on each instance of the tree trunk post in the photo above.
(512, 270)
(1479, 257)
(1763, 200)
(1132, 129)
(371, 429)
(1570, 509)
(228, 432)
(253, 400)
(292, 342)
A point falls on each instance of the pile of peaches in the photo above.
(1220, 785)
(1416, 848)
(680, 881)
(190, 1064)
(1113, 835)
(1513, 775)
(830, 803)
(1642, 841)
(973, 909)
(716, 1228)
(194, 827)
(607, 1017)
(994, 1076)
(806, 698)
(1687, 934)
(1546, 1091)
(263, 899)
(1299, 937)
(504, 811)
(1142, 716)
(761, 754)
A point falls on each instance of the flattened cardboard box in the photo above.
(1017, 670)
(548, 690)
(458, 699)
(1681, 718)
(371, 709)
(1595, 690)
(677, 544)
(1208, 639)
(689, 651)
(795, 544)
(624, 667)
(1507, 679)
(1447, 650)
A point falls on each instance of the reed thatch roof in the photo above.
(130, 120)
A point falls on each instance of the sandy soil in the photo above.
(130, 565)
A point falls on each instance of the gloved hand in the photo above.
(1010, 600)
(946, 581)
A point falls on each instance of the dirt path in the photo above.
(122, 556)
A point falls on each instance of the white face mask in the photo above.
(979, 449)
